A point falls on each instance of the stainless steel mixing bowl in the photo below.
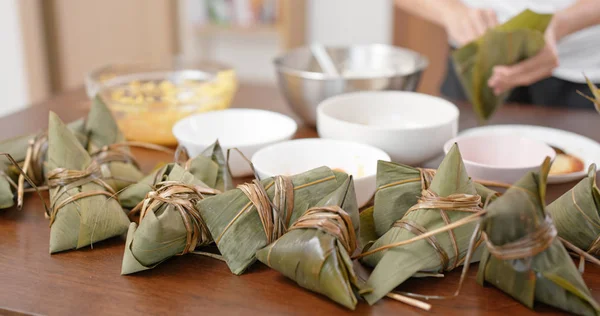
(361, 68)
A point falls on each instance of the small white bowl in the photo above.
(296, 156)
(500, 158)
(245, 129)
(411, 127)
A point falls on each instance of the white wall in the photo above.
(331, 22)
(344, 22)
(13, 77)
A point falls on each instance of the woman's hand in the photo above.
(464, 24)
(580, 15)
(529, 71)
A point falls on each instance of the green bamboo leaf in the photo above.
(398, 188)
(209, 168)
(576, 213)
(239, 235)
(516, 40)
(102, 130)
(315, 259)
(17, 148)
(89, 219)
(367, 229)
(595, 92)
(395, 265)
(549, 277)
(6, 194)
(162, 232)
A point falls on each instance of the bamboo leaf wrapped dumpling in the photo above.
(316, 250)
(210, 168)
(83, 207)
(30, 151)
(243, 221)
(576, 214)
(169, 222)
(117, 165)
(450, 197)
(6, 194)
(523, 257)
(399, 188)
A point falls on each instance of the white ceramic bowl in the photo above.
(296, 156)
(500, 158)
(245, 129)
(411, 127)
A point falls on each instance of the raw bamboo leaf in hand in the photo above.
(316, 250)
(398, 189)
(209, 169)
(240, 229)
(450, 197)
(576, 214)
(83, 207)
(169, 222)
(117, 165)
(524, 258)
(514, 41)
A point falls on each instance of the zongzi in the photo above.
(245, 220)
(6, 194)
(450, 197)
(518, 39)
(30, 152)
(210, 168)
(169, 222)
(117, 165)
(398, 189)
(524, 258)
(83, 207)
(576, 214)
(316, 250)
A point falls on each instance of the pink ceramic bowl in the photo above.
(502, 158)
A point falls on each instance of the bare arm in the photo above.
(463, 24)
(582, 14)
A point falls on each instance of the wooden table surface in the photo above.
(88, 281)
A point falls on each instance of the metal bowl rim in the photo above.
(422, 62)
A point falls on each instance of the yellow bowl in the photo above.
(147, 102)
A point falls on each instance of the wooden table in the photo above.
(88, 281)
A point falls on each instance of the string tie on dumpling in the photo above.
(183, 197)
(65, 180)
(274, 215)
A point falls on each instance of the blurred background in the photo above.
(50, 45)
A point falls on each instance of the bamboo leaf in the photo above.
(102, 130)
(315, 259)
(395, 265)
(161, 233)
(516, 40)
(576, 213)
(367, 229)
(89, 219)
(209, 169)
(549, 277)
(238, 232)
(399, 187)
